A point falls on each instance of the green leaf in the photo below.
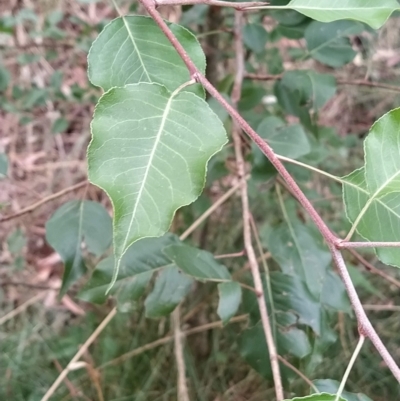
(72, 223)
(372, 193)
(317, 397)
(314, 89)
(149, 152)
(330, 43)
(137, 266)
(3, 165)
(286, 140)
(197, 263)
(133, 49)
(59, 125)
(294, 247)
(255, 37)
(372, 12)
(170, 288)
(331, 386)
(253, 347)
(230, 296)
(295, 342)
(5, 78)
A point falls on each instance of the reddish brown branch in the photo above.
(215, 3)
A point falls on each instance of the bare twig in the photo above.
(297, 371)
(36, 205)
(22, 308)
(215, 3)
(370, 267)
(78, 355)
(183, 392)
(210, 210)
(167, 339)
(236, 92)
(357, 82)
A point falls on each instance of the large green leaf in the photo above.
(71, 224)
(372, 194)
(149, 152)
(138, 264)
(372, 12)
(329, 43)
(133, 49)
(170, 288)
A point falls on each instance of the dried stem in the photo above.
(36, 205)
(372, 244)
(78, 355)
(357, 82)
(370, 267)
(183, 393)
(236, 92)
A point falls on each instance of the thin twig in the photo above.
(22, 308)
(357, 82)
(210, 211)
(167, 339)
(370, 267)
(215, 3)
(78, 355)
(297, 371)
(36, 205)
(183, 392)
(236, 92)
(382, 308)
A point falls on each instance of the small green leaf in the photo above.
(295, 342)
(16, 241)
(133, 49)
(372, 193)
(137, 267)
(5, 78)
(3, 165)
(286, 140)
(330, 43)
(60, 125)
(170, 288)
(230, 296)
(314, 89)
(372, 12)
(255, 37)
(197, 263)
(72, 223)
(149, 152)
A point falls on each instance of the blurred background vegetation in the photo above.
(46, 104)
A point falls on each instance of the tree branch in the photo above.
(236, 93)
